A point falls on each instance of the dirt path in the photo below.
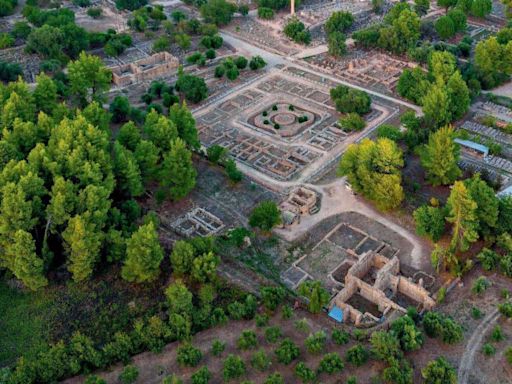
(474, 344)
(336, 199)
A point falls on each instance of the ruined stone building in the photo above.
(152, 67)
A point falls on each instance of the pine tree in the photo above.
(182, 256)
(62, 202)
(45, 94)
(143, 255)
(160, 130)
(204, 267)
(459, 95)
(82, 243)
(27, 266)
(182, 117)
(440, 156)
(436, 106)
(488, 204)
(463, 217)
(179, 298)
(126, 169)
(178, 173)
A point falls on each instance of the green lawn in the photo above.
(23, 324)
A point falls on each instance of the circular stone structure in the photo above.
(283, 120)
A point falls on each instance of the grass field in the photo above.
(24, 328)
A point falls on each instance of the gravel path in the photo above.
(474, 344)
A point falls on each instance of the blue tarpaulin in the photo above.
(336, 313)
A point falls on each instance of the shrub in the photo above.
(505, 309)
(210, 54)
(359, 335)
(488, 258)
(218, 347)
(476, 313)
(188, 355)
(407, 333)
(265, 13)
(260, 360)
(488, 349)
(287, 351)
(497, 334)
(92, 379)
(348, 100)
(234, 174)
(357, 355)
(201, 376)
(241, 62)
(480, 285)
(272, 297)
(340, 337)
(94, 12)
(286, 312)
(390, 132)
(302, 325)
(274, 378)
(233, 368)
(232, 73)
(352, 122)
(247, 340)
(219, 71)
(273, 334)
(439, 371)
(129, 374)
(216, 153)
(296, 30)
(385, 346)
(508, 355)
(315, 342)
(262, 320)
(305, 374)
(331, 363)
(257, 63)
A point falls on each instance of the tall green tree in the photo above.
(160, 130)
(317, 295)
(430, 221)
(178, 174)
(459, 95)
(462, 214)
(179, 298)
(88, 78)
(440, 156)
(436, 106)
(143, 255)
(181, 116)
(488, 204)
(127, 172)
(28, 267)
(82, 242)
(182, 256)
(45, 94)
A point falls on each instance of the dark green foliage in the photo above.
(265, 216)
(390, 132)
(216, 153)
(129, 374)
(316, 294)
(385, 346)
(273, 334)
(130, 4)
(297, 31)
(436, 324)
(247, 340)
(305, 374)
(218, 12)
(407, 333)
(120, 109)
(9, 71)
(274, 378)
(241, 62)
(331, 363)
(430, 221)
(193, 88)
(218, 347)
(338, 22)
(201, 376)
(265, 13)
(7, 7)
(340, 336)
(352, 122)
(413, 85)
(260, 360)
(262, 320)
(189, 356)
(287, 351)
(445, 27)
(439, 371)
(489, 259)
(315, 342)
(505, 309)
(349, 100)
(233, 368)
(272, 297)
(357, 355)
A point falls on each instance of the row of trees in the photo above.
(399, 31)
(442, 92)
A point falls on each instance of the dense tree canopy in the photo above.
(373, 169)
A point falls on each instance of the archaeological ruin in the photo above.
(146, 69)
